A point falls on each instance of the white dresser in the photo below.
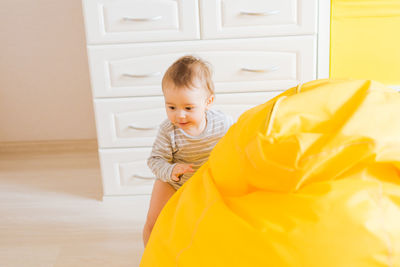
(257, 49)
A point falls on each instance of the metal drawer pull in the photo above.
(141, 19)
(142, 75)
(266, 13)
(273, 68)
(142, 128)
(143, 177)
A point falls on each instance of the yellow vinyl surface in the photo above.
(365, 40)
(310, 178)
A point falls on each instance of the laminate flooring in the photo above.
(52, 213)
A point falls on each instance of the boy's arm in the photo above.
(160, 160)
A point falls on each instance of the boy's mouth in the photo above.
(183, 123)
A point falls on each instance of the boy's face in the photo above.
(186, 108)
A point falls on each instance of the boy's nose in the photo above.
(181, 114)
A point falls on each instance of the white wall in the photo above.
(44, 80)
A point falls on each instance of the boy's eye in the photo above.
(189, 108)
(171, 107)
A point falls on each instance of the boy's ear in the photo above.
(210, 100)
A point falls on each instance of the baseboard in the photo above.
(49, 146)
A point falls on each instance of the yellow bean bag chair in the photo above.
(310, 178)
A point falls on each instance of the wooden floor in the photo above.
(52, 213)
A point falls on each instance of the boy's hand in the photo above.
(179, 170)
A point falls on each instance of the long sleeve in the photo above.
(161, 159)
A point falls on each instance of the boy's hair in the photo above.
(190, 71)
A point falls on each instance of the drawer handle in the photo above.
(141, 19)
(142, 75)
(142, 128)
(137, 176)
(273, 68)
(266, 13)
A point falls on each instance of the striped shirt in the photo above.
(173, 145)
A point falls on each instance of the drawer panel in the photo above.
(125, 171)
(255, 18)
(239, 66)
(133, 122)
(121, 21)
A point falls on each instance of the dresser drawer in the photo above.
(253, 18)
(133, 122)
(125, 171)
(261, 64)
(121, 21)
